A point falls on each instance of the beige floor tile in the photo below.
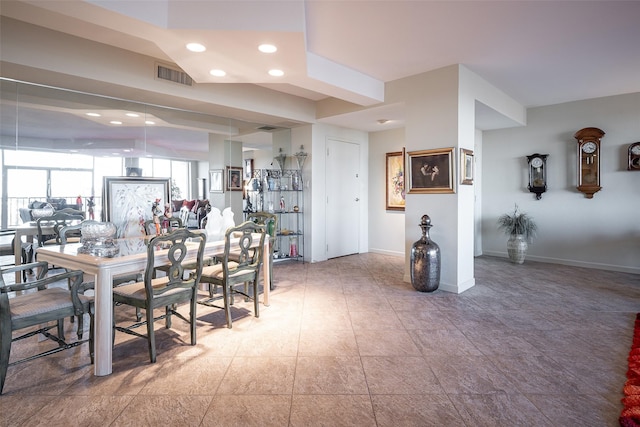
(248, 411)
(329, 375)
(178, 411)
(259, 375)
(335, 411)
(386, 342)
(321, 342)
(400, 375)
(410, 410)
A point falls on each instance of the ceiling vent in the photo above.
(175, 75)
(267, 128)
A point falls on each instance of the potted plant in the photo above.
(521, 229)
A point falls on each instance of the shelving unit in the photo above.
(280, 192)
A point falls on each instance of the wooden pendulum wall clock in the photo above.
(588, 160)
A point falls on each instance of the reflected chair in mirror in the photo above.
(168, 291)
(270, 222)
(7, 248)
(56, 222)
(239, 264)
(37, 304)
(168, 223)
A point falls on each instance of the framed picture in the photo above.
(248, 169)
(234, 178)
(216, 181)
(466, 166)
(128, 201)
(431, 171)
(395, 181)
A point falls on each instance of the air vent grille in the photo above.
(267, 128)
(173, 75)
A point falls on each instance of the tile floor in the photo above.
(347, 343)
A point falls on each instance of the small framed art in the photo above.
(466, 166)
(234, 178)
(395, 181)
(431, 171)
(216, 180)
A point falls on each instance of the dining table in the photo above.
(131, 258)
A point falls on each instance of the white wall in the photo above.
(386, 228)
(603, 232)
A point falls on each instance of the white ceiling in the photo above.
(538, 52)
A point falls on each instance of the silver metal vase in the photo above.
(425, 260)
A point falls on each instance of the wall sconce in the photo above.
(537, 174)
(301, 156)
(281, 158)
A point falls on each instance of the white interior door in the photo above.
(343, 198)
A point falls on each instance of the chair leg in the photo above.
(227, 303)
(60, 323)
(192, 317)
(5, 351)
(80, 326)
(256, 302)
(91, 342)
(151, 337)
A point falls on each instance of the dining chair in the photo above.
(36, 303)
(270, 221)
(168, 291)
(239, 264)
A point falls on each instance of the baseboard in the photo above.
(386, 252)
(573, 263)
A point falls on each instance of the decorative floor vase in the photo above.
(425, 260)
(517, 248)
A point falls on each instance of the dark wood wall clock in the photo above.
(634, 157)
(588, 160)
(537, 174)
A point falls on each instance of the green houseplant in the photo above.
(521, 229)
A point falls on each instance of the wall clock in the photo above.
(634, 157)
(537, 174)
(588, 160)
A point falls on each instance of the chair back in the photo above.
(173, 223)
(269, 220)
(247, 254)
(175, 246)
(57, 221)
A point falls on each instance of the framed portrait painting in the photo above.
(216, 180)
(466, 166)
(432, 171)
(234, 178)
(395, 195)
(128, 202)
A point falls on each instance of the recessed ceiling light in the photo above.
(149, 122)
(196, 47)
(93, 114)
(116, 154)
(383, 121)
(267, 48)
(115, 122)
(218, 73)
(132, 115)
(127, 150)
(73, 151)
(276, 73)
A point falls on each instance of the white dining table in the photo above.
(131, 259)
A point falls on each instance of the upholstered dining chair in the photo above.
(239, 264)
(168, 291)
(35, 303)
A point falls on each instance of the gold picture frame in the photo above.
(432, 171)
(395, 180)
(234, 178)
(467, 165)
